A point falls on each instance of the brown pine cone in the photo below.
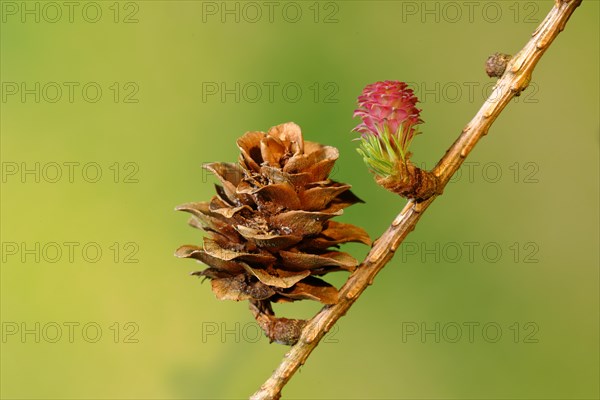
(270, 232)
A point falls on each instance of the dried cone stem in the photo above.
(280, 330)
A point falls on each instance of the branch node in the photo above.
(310, 337)
(541, 44)
(411, 182)
(352, 293)
(516, 63)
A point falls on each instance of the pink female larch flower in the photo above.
(389, 123)
(390, 117)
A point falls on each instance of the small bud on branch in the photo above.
(495, 65)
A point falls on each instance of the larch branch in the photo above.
(514, 80)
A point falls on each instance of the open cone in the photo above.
(270, 228)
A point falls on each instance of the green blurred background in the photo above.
(141, 328)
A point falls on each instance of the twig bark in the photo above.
(514, 80)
